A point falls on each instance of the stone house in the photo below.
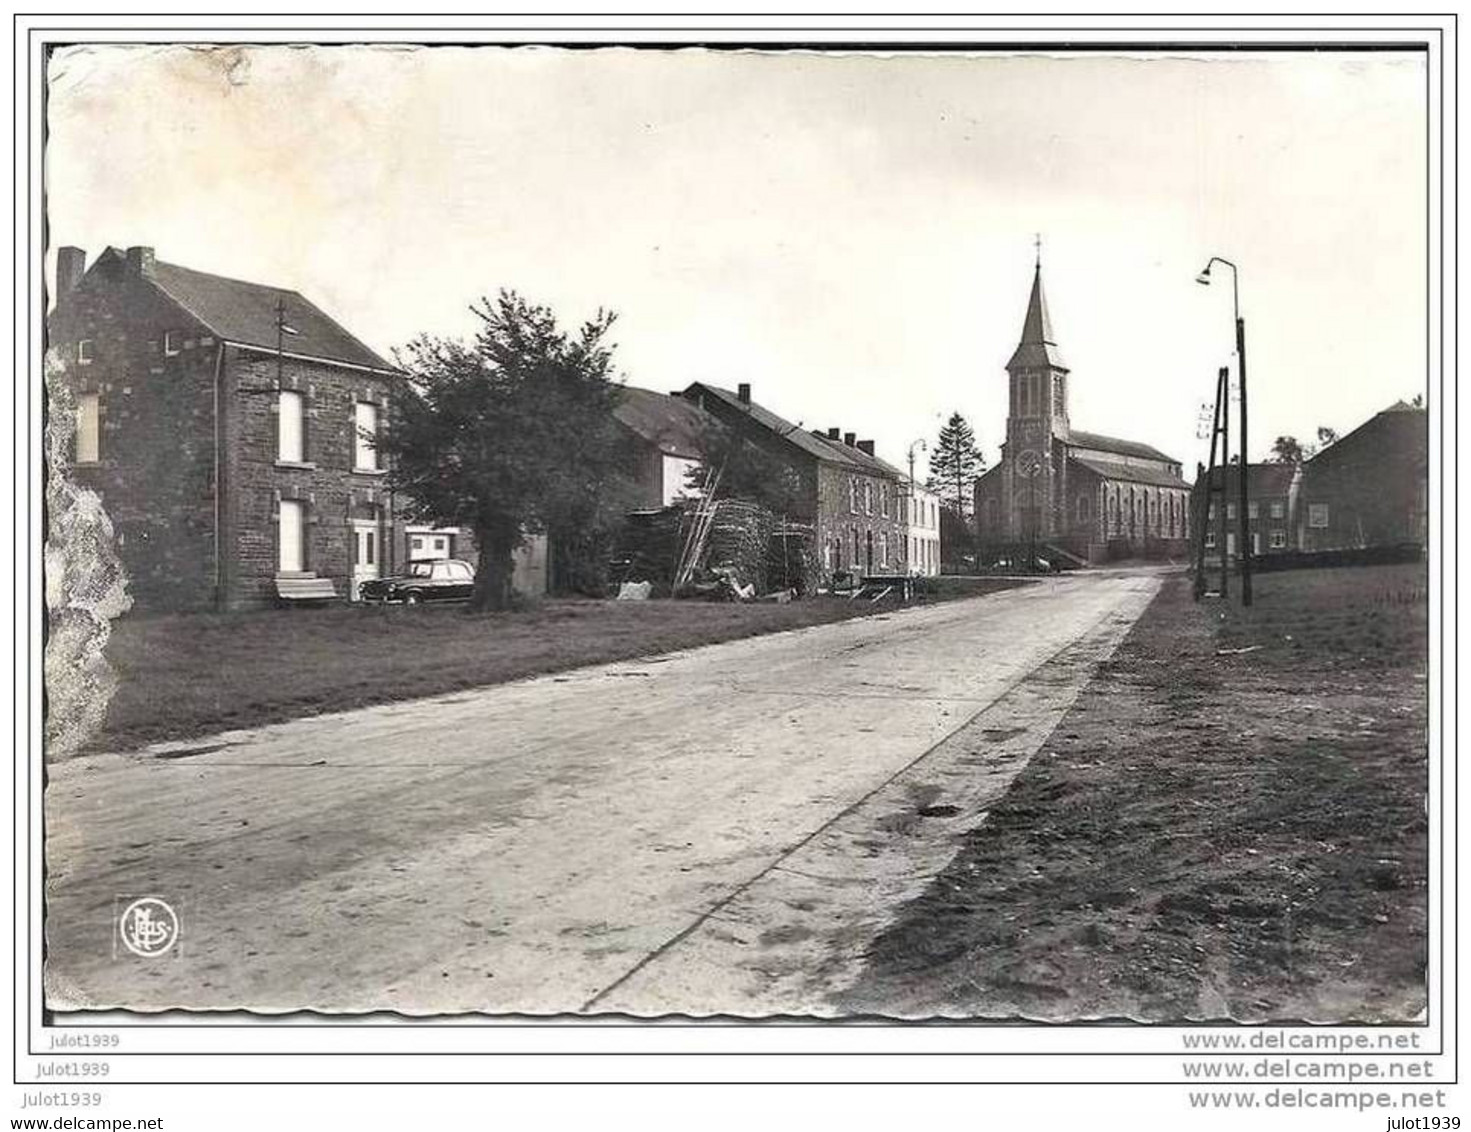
(843, 490)
(1270, 509)
(921, 514)
(228, 427)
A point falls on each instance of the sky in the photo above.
(852, 234)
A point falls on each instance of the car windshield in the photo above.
(420, 569)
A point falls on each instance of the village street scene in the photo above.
(827, 558)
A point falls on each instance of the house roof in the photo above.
(1038, 347)
(795, 434)
(245, 313)
(671, 424)
(1261, 479)
(1128, 473)
(1077, 438)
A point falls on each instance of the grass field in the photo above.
(195, 674)
(1229, 824)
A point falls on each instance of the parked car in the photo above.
(440, 579)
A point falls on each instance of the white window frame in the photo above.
(364, 452)
(288, 452)
(170, 343)
(852, 495)
(1278, 509)
(89, 428)
(1318, 516)
(1278, 540)
(1210, 539)
(1253, 511)
(86, 351)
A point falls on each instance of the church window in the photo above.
(1059, 400)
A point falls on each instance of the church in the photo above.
(1074, 495)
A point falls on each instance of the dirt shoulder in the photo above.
(195, 674)
(1208, 834)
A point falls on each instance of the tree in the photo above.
(1287, 450)
(1326, 436)
(508, 435)
(954, 464)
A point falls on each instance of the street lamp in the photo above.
(909, 541)
(1245, 466)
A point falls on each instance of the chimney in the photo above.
(71, 263)
(743, 392)
(850, 439)
(140, 262)
(833, 434)
(866, 446)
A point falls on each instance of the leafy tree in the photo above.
(1287, 450)
(510, 434)
(1418, 400)
(955, 462)
(1326, 437)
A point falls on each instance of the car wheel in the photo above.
(413, 597)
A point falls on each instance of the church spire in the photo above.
(1038, 348)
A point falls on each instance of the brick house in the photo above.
(847, 494)
(1270, 509)
(1371, 487)
(664, 433)
(228, 428)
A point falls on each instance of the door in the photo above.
(868, 553)
(1231, 544)
(366, 559)
(290, 559)
(1256, 544)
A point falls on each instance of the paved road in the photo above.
(715, 831)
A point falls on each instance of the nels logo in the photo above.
(148, 927)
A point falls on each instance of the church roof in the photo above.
(1128, 473)
(1038, 347)
(1096, 441)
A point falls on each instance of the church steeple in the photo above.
(1038, 348)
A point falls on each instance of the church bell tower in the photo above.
(1037, 421)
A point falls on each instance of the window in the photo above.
(867, 497)
(416, 543)
(1251, 510)
(170, 343)
(89, 411)
(883, 548)
(1279, 539)
(884, 499)
(1278, 509)
(290, 528)
(855, 547)
(1082, 508)
(290, 446)
(84, 352)
(853, 494)
(1318, 515)
(460, 572)
(1230, 511)
(440, 544)
(365, 436)
(1210, 539)
(1211, 513)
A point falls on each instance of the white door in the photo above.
(288, 537)
(366, 555)
(1256, 544)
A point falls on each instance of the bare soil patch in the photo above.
(1209, 834)
(196, 674)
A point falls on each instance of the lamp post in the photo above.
(1242, 471)
(909, 503)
